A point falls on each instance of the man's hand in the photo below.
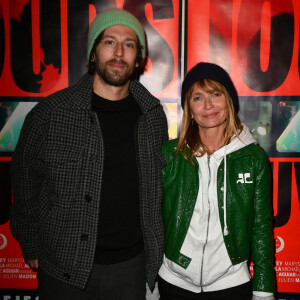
(33, 263)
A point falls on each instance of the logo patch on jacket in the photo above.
(244, 178)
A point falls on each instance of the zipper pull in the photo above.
(226, 232)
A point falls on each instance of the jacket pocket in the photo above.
(55, 234)
(63, 165)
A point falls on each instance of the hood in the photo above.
(236, 143)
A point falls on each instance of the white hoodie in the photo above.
(210, 268)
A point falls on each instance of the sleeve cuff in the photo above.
(262, 296)
(30, 251)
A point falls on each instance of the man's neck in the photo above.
(109, 92)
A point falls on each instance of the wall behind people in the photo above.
(43, 49)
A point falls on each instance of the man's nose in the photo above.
(119, 50)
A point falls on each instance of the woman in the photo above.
(216, 198)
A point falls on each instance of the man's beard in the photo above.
(114, 77)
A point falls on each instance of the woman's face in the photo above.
(209, 110)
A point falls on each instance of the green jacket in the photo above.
(248, 208)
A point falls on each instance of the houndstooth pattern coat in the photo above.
(57, 173)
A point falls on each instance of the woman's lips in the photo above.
(210, 115)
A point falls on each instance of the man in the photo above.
(87, 175)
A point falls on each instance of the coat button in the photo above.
(67, 276)
(88, 198)
(240, 257)
(233, 258)
(228, 245)
(84, 237)
(221, 169)
(222, 188)
(93, 158)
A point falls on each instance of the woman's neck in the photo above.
(212, 138)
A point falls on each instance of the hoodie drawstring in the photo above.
(224, 196)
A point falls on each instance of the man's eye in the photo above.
(129, 45)
(109, 42)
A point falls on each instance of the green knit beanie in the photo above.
(115, 16)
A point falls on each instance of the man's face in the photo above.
(116, 54)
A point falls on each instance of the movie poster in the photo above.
(257, 42)
(41, 52)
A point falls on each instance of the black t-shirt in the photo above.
(119, 227)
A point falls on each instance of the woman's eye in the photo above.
(197, 98)
(217, 94)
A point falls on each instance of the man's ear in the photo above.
(93, 57)
(137, 64)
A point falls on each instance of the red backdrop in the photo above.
(42, 50)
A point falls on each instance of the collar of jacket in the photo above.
(82, 94)
(231, 156)
(174, 143)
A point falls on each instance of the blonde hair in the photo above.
(189, 132)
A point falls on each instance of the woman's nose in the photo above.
(208, 103)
